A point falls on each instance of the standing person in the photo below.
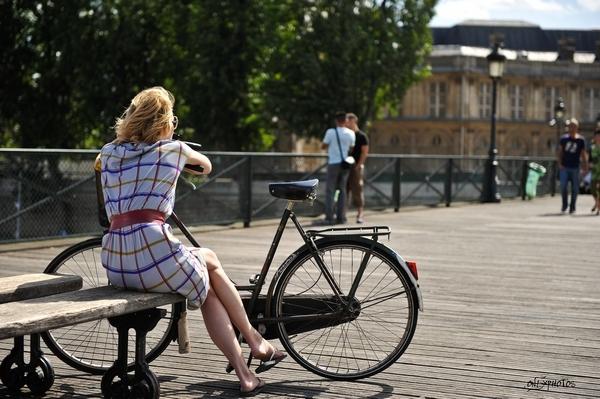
(571, 151)
(595, 161)
(357, 172)
(139, 172)
(338, 142)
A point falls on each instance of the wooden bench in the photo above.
(38, 373)
(125, 310)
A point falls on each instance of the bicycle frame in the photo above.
(258, 280)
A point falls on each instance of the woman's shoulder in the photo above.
(108, 148)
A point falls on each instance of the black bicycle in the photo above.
(343, 305)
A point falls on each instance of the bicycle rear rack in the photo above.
(367, 231)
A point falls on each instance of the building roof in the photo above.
(498, 22)
(441, 50)
(518, 35)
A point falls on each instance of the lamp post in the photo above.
(559, 115)
(490, 185)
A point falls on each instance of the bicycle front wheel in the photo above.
(356, 344)
(92, 347)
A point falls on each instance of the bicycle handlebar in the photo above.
(195, 168)
(195, 147)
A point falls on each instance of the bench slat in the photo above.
(42, 314)
(35, 285)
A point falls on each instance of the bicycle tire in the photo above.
(73, 344)
(354, 355)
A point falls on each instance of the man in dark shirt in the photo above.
(356, 178)
(571, 150)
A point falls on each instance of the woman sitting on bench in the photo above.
(139, 172)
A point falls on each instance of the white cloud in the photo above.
(539, 5)
(589, 5)
(549, 14)
(450, 11)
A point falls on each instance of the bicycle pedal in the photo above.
(254, 279)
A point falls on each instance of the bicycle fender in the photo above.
(399, 260)
(278, 273)
(414, 281)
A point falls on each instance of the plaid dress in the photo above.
(147, 256)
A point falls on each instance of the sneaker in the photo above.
(342, 221)
(571, 211)
(360, 220)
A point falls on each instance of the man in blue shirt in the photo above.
(571, 150)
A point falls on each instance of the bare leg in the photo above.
(230, 299)
(222, 333)
(359, 215)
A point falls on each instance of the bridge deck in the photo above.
(511, 302)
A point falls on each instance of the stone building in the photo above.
(449, 112)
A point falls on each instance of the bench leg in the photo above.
(38, 374)
(143, 384)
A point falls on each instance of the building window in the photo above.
(551, 94)
(516, 144)
(437, 100)
(485, 100)
(590, 103)
(517, 101)
(436, 141)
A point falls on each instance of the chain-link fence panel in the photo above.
(51, 193)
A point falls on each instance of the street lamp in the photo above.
(490, 184)
(559, 115)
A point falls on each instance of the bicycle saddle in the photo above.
(295, 190)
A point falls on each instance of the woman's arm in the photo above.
(195, 158)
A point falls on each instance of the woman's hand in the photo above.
(198, 164)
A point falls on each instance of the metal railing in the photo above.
(50, 193)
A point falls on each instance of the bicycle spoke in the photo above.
(92, 347)
(381, 299)
(376, 325)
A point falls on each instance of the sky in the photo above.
(549, 14)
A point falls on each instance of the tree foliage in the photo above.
(241, 70)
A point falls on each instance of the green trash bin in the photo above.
(534, 172)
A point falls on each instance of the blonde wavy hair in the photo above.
(147, 117)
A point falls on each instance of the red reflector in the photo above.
(413, 268)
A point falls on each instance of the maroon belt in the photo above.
(133, 217)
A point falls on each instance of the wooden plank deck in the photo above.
(511, 296)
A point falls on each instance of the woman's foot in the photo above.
(594, 209)
(267, 354)
(252, 389)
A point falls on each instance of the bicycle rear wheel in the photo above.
(368, 341)
(92, 347)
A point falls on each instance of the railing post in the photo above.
(448, 182)
(554, 176)
(524, 172)
(396, 186)
(247, 211)
(18, 203)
